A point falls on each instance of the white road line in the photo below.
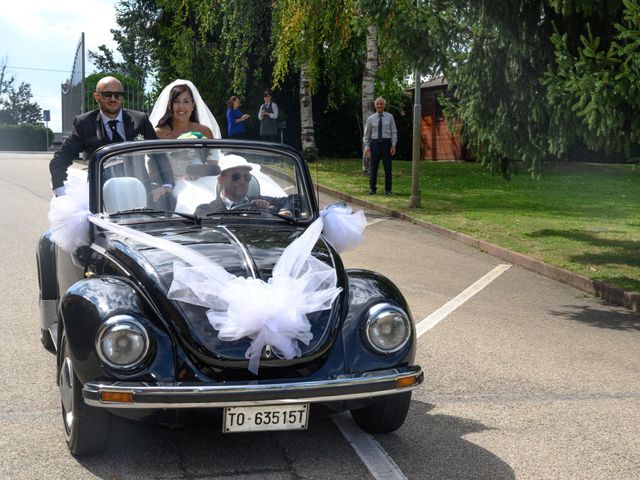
(379, 463)
(436, 317)
(375, 220)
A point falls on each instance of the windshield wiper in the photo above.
(236, 211)
(154, 211)
(279, 215)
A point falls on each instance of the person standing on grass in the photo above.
(236, 119)
(380, 138)
(268, 115)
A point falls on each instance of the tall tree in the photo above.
(595, 81)
(310, 35)
(368, 81)
(16, 107)
(136, 20)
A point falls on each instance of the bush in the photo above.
(24, 138)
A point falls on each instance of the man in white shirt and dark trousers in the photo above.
(268, 116)
(380, 138)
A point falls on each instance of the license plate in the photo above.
(266, 417)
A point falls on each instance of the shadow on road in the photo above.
(433, 446)
(427, 446)
(601, 318)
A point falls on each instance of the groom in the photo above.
(109, 123)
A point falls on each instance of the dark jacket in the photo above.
(218, 205)
(89, 134)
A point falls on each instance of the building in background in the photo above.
(437, 141)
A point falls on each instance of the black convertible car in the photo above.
(150, 308)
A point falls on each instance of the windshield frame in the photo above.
(104, 154)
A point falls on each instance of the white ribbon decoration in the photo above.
(276, 314)
(342, 228)
(68, 215)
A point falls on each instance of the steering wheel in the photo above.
(243, 206)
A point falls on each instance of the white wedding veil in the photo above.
(205, 116)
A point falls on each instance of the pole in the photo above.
(46, 133)
(414, 201)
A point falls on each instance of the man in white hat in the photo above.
(234, 179)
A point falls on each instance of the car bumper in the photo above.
(179, 395)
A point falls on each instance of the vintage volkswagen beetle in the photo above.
(125, 346)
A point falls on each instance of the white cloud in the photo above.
(40, 36)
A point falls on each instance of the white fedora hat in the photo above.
(235, 161)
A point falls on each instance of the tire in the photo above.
(86, 428)
(47, 341)
(385, 416)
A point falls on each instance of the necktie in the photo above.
(380, 127)
(115, 136)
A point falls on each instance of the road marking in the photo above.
(436, 317)
(376, 220)
(379, 463)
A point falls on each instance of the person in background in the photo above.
(109, 123)
(268, 116)
(235, 119)
(379, 141)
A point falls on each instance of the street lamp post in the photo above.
(414, 201)
(46, 116)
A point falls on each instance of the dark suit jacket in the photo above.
(89, 134)
(218, 205)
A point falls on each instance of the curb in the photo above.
(610, 293)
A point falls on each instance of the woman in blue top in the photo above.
(236, 119)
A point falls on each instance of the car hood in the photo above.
(243, 250)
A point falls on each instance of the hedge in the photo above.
(24, 138)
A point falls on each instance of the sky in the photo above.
(38, 40)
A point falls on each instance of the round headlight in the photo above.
(122, 342)
(388, 328)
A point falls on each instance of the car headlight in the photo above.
(388, 328)
(122, 342)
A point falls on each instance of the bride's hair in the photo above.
(167, 118)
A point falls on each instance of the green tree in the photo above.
(594, 85)
(16, 107)
(135, 20)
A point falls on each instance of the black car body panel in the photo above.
(186, 364)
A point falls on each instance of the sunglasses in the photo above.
(237, 176)
(109, 95)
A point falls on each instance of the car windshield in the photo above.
(207, 182)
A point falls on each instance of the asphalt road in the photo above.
(526, 378)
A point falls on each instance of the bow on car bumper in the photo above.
(179, 395)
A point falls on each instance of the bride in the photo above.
(179, 109)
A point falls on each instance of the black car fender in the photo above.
(46, 262)
(366, 289)
(87, 305)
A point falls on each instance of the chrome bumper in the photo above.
(178, 395)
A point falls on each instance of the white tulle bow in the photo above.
(68, 215)
(342, 228)
(271, 313)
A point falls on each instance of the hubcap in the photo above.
(66, 392)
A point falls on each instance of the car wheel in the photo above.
(86, 428)
(385, 416)
(47, 341)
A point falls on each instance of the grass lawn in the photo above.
(581, 217)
